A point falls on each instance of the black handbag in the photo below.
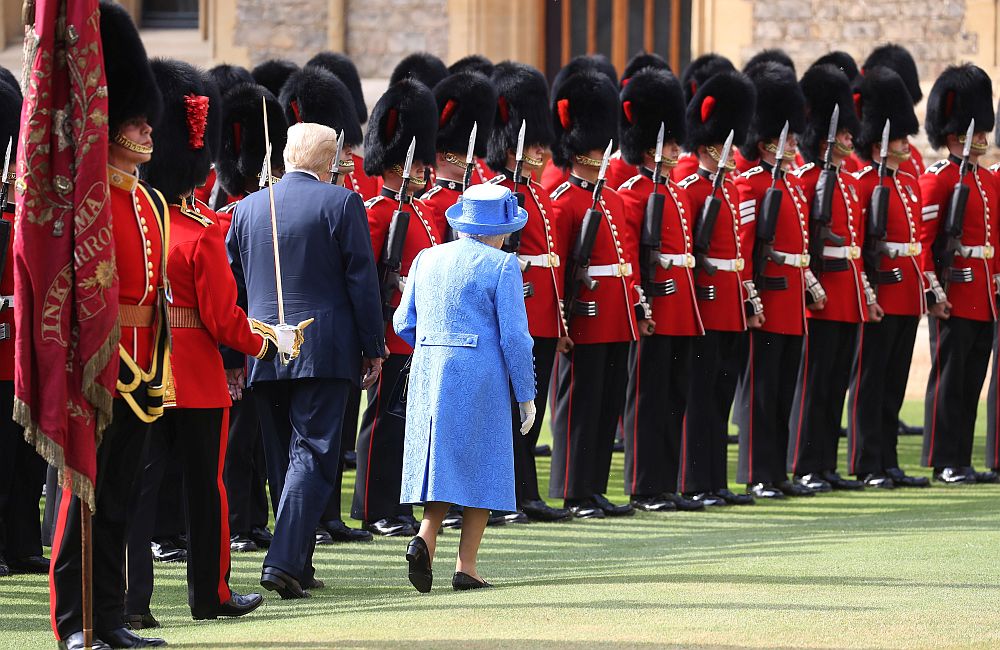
(397, 398)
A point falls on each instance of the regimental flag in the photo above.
(65, 281)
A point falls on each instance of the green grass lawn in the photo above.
(908, 568)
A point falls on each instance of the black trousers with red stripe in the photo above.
(348, 437)
(196, 440)
(590, 395)
(380, 451)
(960, 350)
(764, 406)
(22, 472)
(525, 473)
(716, 365)
(659, 368)
(245, 474)
(117, 468)
(992, 408)
(878, 386)
(824, 377)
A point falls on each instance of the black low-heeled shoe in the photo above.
(463, 582)
(419, 558)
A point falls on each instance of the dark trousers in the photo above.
(715, 369)
(878, 386)
(960, 350)
(194, 440)
(590, 395)
(764, 406)
(301, 420)
(824, 376)
(22, 472)
(525, 473)
(245, 473)
(348, 437)
(380, 451)
(659, 368)
(992, 407)
(117, 468)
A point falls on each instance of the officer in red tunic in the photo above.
(780, 256)
(603, 318)
(898, 59)
(695, 74)
(892, 259)
(825, 369)
(659, 364)
(962, 323)
(727, 299)
(406, 111)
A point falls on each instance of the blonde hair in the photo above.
(310, 147)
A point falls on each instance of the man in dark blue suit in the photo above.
(328, 274)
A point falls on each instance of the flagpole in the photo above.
(87, 558)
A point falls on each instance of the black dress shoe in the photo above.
(322, 537)
(584, 509)
(706, 498)
(793, 489)
(953, 476)
(180, 540)
(648, 503)
(463, 582)
(126, 638)
(838, 482)
(141, 621)
(683, 504)
(237, 605)
(453, 519)
(765, 491)
(909, 430)
(814, 482)
(543, 451)
(339, 531)
(350, 459)
(409, 519)
(881, 481)
(989, 476)
(611, 509)
(496, 518)
(516, 518)
(313, 583)
(418, 556)
(4, 569)
(390, 527)
(902, 479)
(538, 510)
(166, 550)
(241, 544)
(274, 579)
(734, 499)
(30, 564)
(261, 536)
(75, 642)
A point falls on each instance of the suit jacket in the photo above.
(328, 273)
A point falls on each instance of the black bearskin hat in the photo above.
(701, 70)
(824, 87)
(473, 62)
(779, 99)
(650, 98)
(132, 90)
(596, 62)
(722, 104)
(842, 60)
(314, 95)
(226, 76)
(775, 55)
(10, 115)
(241, 155)
(522, 95)
(641, 60)
(406, 111)
(898, 59)
(883, 96)
(462, 99)
(584, 112)
(273, 74)
(344, 69)
(962, 93)
(187, 136)
(422, 66)
(7, 77)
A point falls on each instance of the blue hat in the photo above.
(487, 210)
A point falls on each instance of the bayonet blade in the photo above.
(6, 160)
(265, 167)
(726, 150)
(831, 134)
(782, 143)
(883, 151)
(409, 157)
(471, 151)
(519, 156)
(658, 156)
(335, 165)
(605, 161)
(967, 149)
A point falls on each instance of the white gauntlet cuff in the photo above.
(753, 304)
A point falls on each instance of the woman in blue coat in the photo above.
(463, 313)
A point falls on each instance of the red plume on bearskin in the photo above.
(523, 96)
(961, 93)
(586, 107)
(724, 102)
(197, 119)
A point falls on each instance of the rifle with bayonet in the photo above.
(767, 221)
(652, 231)
(335, 165)
(578, 270)
(513, 242)
(710, 211)
(821, 213)
(949, 240)
(392, 255)
(470, 156)
(878, 215)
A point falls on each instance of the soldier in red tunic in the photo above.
(659, 364)
(780, 261)
(892, 260)
(825, 369)
(963, 320)
(727, 299)
(604, 316)
(406, 111)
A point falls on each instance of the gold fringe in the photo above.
(99, 396)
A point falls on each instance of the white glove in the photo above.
(290, 339)
(527, 416)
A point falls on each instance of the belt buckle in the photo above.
(854, 252)
(804, 260)
(622, 269)
(689, 260)
(740, 264)
(554, 260)
(912, 249)
(987, 252)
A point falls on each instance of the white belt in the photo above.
(669, 260)
(611, 270)
(726, 265)
(903, 249)
(798, 260)
(842, 252)
(984, 252)
(546, 261)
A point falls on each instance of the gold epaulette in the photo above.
(559, 191)
(191, 211)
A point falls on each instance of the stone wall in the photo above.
(289, 29)
(381, 32)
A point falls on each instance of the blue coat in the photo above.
(328, 273)
(463, 313)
